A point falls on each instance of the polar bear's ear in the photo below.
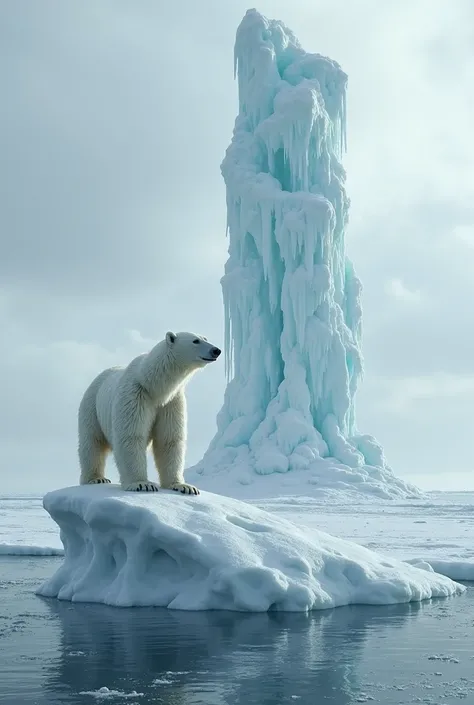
(170, 337)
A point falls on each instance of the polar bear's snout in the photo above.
(212, 355)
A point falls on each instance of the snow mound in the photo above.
(292, 299)
(456, 570)
(8, 549)
(212, 552)
(323, 478)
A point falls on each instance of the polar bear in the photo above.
(124, 410)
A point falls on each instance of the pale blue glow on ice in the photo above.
(291, 296)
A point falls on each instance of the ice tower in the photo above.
(291, 296)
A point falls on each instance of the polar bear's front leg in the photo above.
(169, 445)
(169, 460)
(131, 424)
(130, 458)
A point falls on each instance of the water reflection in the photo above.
(215, 657)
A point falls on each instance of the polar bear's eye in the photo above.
(196, 341)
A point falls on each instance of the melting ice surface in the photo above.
(213, 552)
(291, 296)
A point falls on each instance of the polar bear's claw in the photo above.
(99, 481)
(142, 487)
(184, 488)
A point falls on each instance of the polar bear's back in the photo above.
(97, 406)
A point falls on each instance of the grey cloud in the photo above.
(429, 435)
(419, 247)
(105, 162)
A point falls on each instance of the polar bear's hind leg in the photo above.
(92, 456)
(93, 446)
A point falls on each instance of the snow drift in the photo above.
(212, 552)
(291, 296)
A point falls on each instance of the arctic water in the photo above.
(54, 652)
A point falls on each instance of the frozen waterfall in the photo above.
(291, 296)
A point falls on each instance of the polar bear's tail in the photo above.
(93, 446)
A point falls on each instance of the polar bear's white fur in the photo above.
(124, 410)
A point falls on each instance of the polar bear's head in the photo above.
(192, 349)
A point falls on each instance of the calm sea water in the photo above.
(55, 652)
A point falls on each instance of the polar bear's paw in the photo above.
(184, 488)
(99, 481)
(144, 486)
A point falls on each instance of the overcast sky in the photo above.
(115, 118)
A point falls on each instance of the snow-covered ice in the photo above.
(437, 530)
(291, 296)
(213, 552)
